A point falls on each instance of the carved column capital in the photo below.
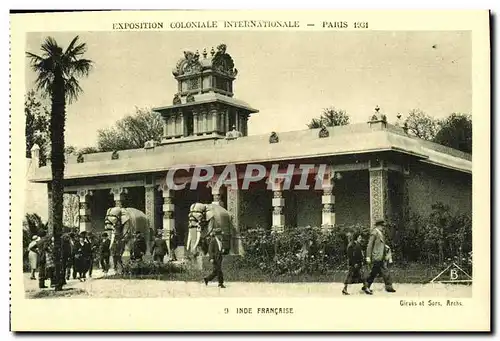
(118, 195)
(83, 194)
(166, 191)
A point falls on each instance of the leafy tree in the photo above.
(456, 132)
(72, 150)
(330, 117)
(37, 125)
(421, 125)
(131, 131)
(87, 150)
(58, 72)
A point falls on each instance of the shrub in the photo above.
(433, 240)
(300, 250)
(149, 268)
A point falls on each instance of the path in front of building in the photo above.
(99, 287)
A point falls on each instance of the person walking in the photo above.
(356, 259)
(42, 259)
(33, 255)
(92, 248)
(159, 248)
(139, 247)
(376, 256)
(105, 253)
(82, 254)
(215, 253)
(67, 257)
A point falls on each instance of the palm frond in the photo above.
(77, 50)
(70, 46)
(34, 59)
(80, 67)
(44, 82)
(72, 89)
(51, 48)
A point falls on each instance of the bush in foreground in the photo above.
(149, 268)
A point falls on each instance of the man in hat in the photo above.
(105, 252)
(139, 247)
(376, 256)
(82, 256)
(215, 253)
(159, 248)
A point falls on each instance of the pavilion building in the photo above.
(374, 169)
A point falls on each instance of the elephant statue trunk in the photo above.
(123, 224)
(204, 219)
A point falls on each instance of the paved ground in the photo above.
(116, 288)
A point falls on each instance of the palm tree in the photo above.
(58, 73)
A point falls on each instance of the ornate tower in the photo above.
(204, 106)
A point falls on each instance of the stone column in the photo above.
(278, 206)
(233, 207)
(215, 122)
(165, 128)
(195, 123)
(227, 113)
(118, 195)
(168, 214)
(150, 205)
(206, 122)
(179, 126)
(328, 201)
(85, 213)
(378, 190)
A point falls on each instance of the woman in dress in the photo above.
(33, 255)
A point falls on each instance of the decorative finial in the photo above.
(377, 109)
(204, 53)
(212, 51)
(234, 127)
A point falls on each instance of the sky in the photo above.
(290, 77)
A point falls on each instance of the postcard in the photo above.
(250, 171)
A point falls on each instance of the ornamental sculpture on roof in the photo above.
(219, 61)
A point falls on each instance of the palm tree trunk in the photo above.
(57, 123)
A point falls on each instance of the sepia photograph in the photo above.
(217, 159)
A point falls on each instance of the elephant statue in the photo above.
(203, 220)
(123, 224)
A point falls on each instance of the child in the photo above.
(355, 258)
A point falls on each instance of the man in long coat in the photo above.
(215, 253)
(159, 248)
(376, 256)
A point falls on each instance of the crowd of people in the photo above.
(80, 253)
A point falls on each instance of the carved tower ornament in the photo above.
(323, 132)
(190, 98)
(274, 138)
(223, 63)
(192, 64)
(176, 100)
(115, 155)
